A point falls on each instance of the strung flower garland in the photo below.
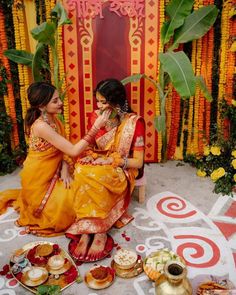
(157, 99)
(10, 92)
(223, 55)
(62, 77)
(19, 34)
(48, 17)
(209, 64)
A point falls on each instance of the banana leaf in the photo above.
(19, 56)
(196, 25)
(132, 78)
(44, 33)
(180, 70)
(177, 10)
(61, 14)
(201, 83)
(37, 63)
(160, 123)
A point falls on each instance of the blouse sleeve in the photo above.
(138, 142)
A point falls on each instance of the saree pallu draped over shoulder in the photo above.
(43, 203)
(103, 196)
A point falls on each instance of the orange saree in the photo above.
(43, 203)
(102, 192)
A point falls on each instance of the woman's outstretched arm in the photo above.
(43, 130)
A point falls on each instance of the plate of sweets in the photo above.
(43, 263)
(99, 277)
(126, 263)
(153, 264)
(215, 286)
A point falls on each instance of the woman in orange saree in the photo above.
(45, 200)
(105, 176)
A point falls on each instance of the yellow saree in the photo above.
(43, 203)
(102, 192)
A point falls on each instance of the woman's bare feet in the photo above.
(81, 248)
(98, 245)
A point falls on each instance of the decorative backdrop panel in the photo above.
(111, 39)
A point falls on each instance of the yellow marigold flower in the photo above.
(233, 153)
(234, 102)
(234, 163)
(215, 150)
(206, 151)
(235, 177)
(201, 173)
(217, 173)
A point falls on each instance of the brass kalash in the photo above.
(174, 280)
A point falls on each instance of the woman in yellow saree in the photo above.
(104, 177)
(45, 200)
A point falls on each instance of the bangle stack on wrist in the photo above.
(90, 136)
(125, 163)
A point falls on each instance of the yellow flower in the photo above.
(217, 173)
(233, 153)
(234, 163)
(201, 173)
(215, 150)
(235, 177)
(206, 151)
(234, 102)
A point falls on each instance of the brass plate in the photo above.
(31, 245)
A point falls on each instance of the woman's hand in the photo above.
(65, 175)
(103, 161)
(102, 119)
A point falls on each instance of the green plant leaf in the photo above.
(196, 25)
(44, 33)
(177, 10)
(61, 14)
(37, 63)
(48, 290)
(19, 56)
(180, 70)
(201, 83)
(132, 78)
(160, 123)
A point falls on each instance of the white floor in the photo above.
(181, 212)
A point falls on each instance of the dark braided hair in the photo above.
(39, 95)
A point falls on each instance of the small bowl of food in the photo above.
(18, 256)
(56, 262)
(125, 258)
(35, 274)
(99, 273)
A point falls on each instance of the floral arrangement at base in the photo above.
(219, 159)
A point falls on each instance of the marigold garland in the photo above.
(157, 99)
(10, 92)
(18, 20)
(223, 55)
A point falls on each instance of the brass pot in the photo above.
(174, 280)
